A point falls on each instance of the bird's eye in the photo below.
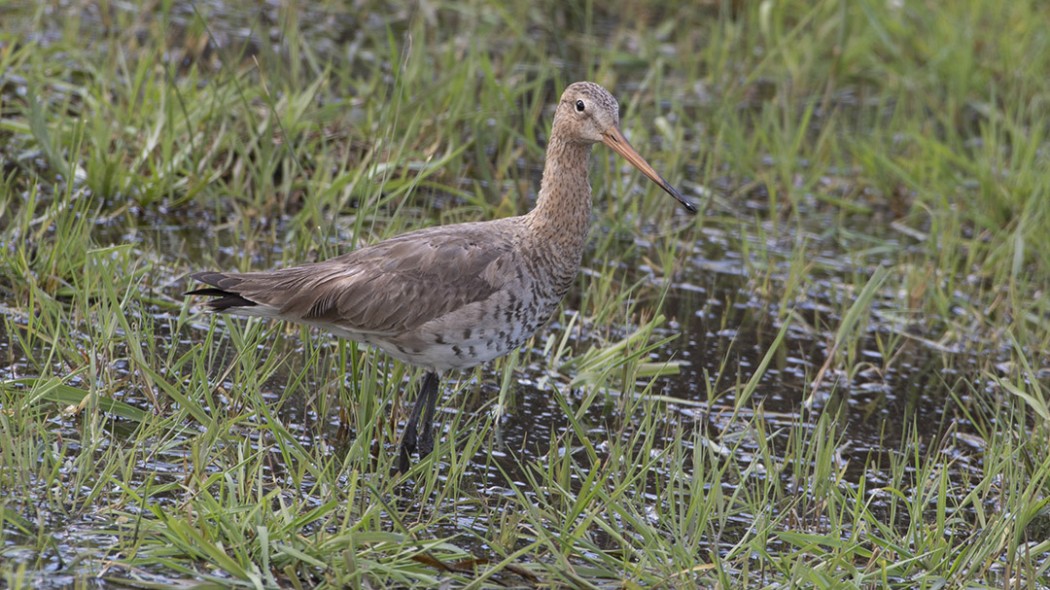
(580, 106)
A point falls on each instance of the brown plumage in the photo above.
(454, 296)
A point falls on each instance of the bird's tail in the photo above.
(224, 289)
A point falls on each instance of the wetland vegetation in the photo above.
(835, 376)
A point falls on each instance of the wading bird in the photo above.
(452, 296)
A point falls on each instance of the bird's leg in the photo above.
(426, 439)
(427, 397)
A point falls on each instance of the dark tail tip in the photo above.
(222, 287)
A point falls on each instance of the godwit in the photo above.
(453, 296)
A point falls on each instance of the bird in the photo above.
(452, 297)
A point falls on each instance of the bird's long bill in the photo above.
(614, 139)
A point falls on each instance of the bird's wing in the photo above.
(387, 288)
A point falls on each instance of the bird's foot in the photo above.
(407, 447)
(426, 441)
(404, 461)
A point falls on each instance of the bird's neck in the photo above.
(563, 207)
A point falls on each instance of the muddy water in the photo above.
(720, 322)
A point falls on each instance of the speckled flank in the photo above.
(452, 297)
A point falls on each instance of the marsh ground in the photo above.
(835, 376)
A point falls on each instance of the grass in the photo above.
(835, 377)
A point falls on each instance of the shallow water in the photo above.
(721, 324)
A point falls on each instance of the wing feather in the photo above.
(387, 288)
